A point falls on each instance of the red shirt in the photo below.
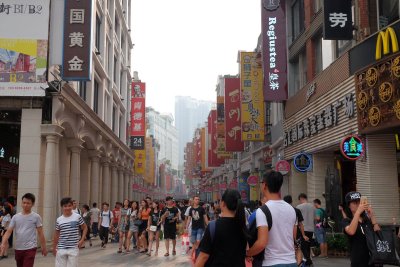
(117, 213)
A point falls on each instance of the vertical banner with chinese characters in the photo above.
(252, 99)
(24, 34)
(77, 49)
(140, 161)
(273, 19)
(338, 22)
(233, 132)
(138, 115)
(221, 150)
(203, 149)
(210, 137)
(213, 160)
(244, 188)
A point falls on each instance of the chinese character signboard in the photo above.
(233, 131)
(77, 49)
(302, 162)
(138, 115)
(338, 22)
(352, 147)
(23, 47)
(273, 19)
(140, 161)
(378, 100)
(252, 98)
(326, 118)
(213, 160)
(221, 149)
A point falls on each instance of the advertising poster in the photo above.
(252, 98)
(213, 160)
(244, 189)
(273, 27)
(138, 115)
(23, 47)
(233, 131)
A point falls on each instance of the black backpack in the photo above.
(324, 219)
(253, 233)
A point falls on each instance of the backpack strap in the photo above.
(268, 215)
(212, 225)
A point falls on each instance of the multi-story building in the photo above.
(335, 91)
(190, 113)
(161, 127)
(70, 138)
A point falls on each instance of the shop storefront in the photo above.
(317, 120)
(377, 78)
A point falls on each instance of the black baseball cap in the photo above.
(352, 196)
(169, 198)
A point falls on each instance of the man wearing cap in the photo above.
(170, 216)
(359, 216)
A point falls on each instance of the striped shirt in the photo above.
(69, 228)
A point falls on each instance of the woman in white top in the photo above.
(133, 215)
(5, 222)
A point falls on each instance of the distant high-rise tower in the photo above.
(190, 113)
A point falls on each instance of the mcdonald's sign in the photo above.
(375, 48)
(382, 42)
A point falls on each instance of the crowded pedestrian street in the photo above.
(212, 133)
(96, 256)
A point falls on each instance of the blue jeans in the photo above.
(197, 235)
(283, 265)
(320, 235)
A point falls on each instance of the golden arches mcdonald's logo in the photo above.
(383, 40)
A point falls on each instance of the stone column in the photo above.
(75, 145)
(126, 184)
(114, 184)
(130, 182)
(50, 201)
(106, 188)
(121, 195)
(95, 176)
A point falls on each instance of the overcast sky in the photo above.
(181, 46)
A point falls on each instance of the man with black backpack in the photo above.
(276, 227)
(321, 223)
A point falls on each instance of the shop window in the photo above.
(297, 18)
(297, 73)
(96, 97)
(388, 12)
(318, 54)
(82, 90)
(318, 5)
(98, 31)
(115, 70)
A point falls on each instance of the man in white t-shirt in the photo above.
(105, 219)
(277, 243)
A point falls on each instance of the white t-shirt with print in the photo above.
(105, 218)
(280, 247)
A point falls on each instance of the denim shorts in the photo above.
(320, 235)
(197, 235)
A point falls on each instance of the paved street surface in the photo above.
(96, 256)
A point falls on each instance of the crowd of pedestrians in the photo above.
(269, 233)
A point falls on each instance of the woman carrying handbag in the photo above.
(154, 227)
(360, 222)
